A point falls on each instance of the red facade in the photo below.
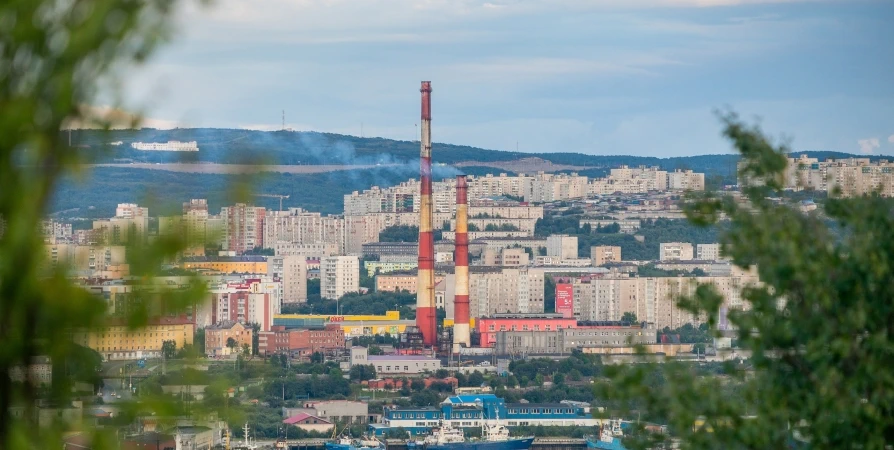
(488, 327)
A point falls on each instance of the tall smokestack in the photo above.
(461, 267)
(425, 281)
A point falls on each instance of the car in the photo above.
(114, 394)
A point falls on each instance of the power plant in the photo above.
(425, 281)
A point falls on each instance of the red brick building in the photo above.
(301, 342)
(489, 326)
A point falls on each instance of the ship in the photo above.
(609, 438)
(493, 437)
(348, 443)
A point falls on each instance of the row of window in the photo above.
(524, 328)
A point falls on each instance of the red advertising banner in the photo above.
(565, 299)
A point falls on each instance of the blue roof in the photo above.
(472, 398)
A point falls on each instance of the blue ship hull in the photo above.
(337, 446)
(615, 444)
(512, 444)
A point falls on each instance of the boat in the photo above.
(346, 442)
(246, 445)
(493, 437)
(609, 437)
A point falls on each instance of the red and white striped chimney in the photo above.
(461, 335)
(425, 280)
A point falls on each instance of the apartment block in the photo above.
(675, 251)
(685, 180)
(600, 255)
(243, 227)
(562, 246)
(494, 290)
(707, 252)
(130, 224)
(292, 272)
(106, 261)
(339, 275)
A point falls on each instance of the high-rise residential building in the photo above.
(244, 227)
(292, 272)
(107, 261)
(339, 275)
(675, 251)
(852, 176)
(707, 252)
(654, 299)
(561, 246)
(494, 290)
(192, 225)
(244, 306)
(131, 222)
(605, 254)
(685, 180)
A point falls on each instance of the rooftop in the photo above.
(400, 358)
(302, 416)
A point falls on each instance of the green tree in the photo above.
(169, 349)
(231, 343)
(55, 57)
(817, 328)
(628, 317)
(198, 341)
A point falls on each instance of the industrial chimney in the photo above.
(461, 268)
(425, 281)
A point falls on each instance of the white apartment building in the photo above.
(504, 290)
(675, 251)
(707, 252)
(653, 300)
(685, 180)
(562, 246)
(292, 273)
(339, 275)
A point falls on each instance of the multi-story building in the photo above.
(301, 342)
(246, 303)
(394, 364)
(106, 261)
(131, 222)
(627, 226)
(561, 246)
(489, 326)
(507, 257)
(374, 267)
(602, 254)
(292, 271)
(567, 340)
(227, 264)
(244, 227)
(853, 176)
(400, 281)
(342, 411)
(38, 372)
(495, 290)
(707, 252)
(549, 187)
(629, 180)
(192, 225)
(652, 299)
(217, 337)
(339, 275)
(685, 180)
(675, 251)
(118, 341)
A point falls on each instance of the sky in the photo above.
(605, 77)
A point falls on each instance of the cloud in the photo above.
(891, 138)
(868, 145)
(94, 117)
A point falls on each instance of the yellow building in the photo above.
(237, 264)
(352, 325)
(389, 315)
(118, 342)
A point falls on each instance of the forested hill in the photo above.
(286, 147)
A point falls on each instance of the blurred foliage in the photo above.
(818, 329)
(56, 57)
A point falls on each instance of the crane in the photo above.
(280, 197)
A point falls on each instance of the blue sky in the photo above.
(638, 77)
